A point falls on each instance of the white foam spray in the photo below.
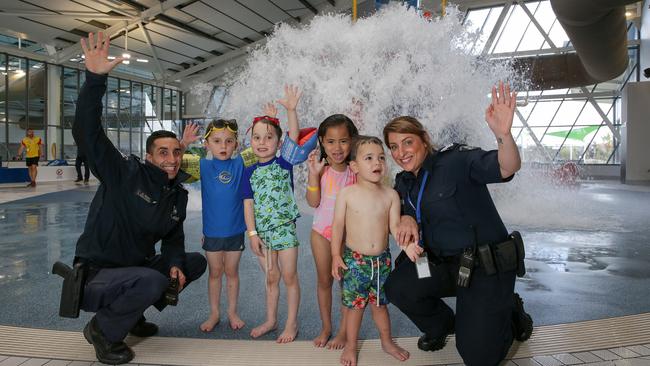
(390, 64)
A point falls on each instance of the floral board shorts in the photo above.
(281, 237)
(363, 282)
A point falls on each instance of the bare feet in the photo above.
(264, 328)
(235, 321)
(288, 334)
(337, 342)
(322, 338)
(209, 324)
(349, 355)
(394, 350)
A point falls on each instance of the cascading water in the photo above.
(391, 64)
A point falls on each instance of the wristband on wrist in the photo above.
(313, 188)
(252, 233)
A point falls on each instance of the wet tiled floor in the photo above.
(596, 265)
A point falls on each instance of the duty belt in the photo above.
(503, 257)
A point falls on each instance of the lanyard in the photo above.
(418, 211)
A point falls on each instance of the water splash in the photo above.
(390, 64)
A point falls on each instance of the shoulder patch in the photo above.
(467, 148)
(447, 148)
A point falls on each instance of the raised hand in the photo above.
(499, 114)
(190, 134)
(270, 110)
(291, 97)
(315, 163)
(96, 53)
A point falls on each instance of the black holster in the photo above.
(72, 291)
(504, 257)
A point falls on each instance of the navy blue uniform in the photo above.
(135, 206)
(457, 212)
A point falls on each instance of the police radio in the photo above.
(466, 267)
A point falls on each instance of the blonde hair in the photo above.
(410, 125)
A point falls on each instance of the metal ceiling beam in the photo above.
(216, 60)
(153, 52)
(146, 15)
(496, 28)
(44, 58)
(309, 6)
(228, 57)
(178, 23)
(60, 14)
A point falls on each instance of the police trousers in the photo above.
(483, 319)
(119, 296)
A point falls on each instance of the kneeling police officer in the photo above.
(457, 243)
(136, 205)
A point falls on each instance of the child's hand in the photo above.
(413, 251)
(190, 134)
(270, 110)
(291, 97)
(257, 245)
(315, 163)
(337, 266)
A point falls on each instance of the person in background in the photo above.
(32, 145)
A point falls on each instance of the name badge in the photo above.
(422, 265)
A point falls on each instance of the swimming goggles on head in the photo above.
(221, 124)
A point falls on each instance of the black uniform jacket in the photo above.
(457, 211)
(135, 206)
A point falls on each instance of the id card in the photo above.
(422, 265)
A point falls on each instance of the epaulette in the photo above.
(466, 148)
(447, 148)
(459, 147)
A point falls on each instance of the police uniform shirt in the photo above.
(456, 207)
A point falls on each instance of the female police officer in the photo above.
(449, 218)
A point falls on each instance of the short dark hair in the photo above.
(158, 135)
(363, 140)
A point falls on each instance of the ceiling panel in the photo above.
(289, 4)
(241, 14)
(143, 48)
(38, 31)
(57, 5)
(266, 8)
(167, 41)
(90, 5)
(185, 36)
(215, 18)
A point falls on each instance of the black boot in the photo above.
(427, 343)
(143, 328)
(112, 353)
(522, 323)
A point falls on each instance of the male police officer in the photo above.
(135, 206)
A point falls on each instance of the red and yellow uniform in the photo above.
(32, 146)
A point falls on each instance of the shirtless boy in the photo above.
(363, 214)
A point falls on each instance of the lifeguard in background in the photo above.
(32, 145)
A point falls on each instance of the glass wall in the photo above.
(132, 110)
(579, 124)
